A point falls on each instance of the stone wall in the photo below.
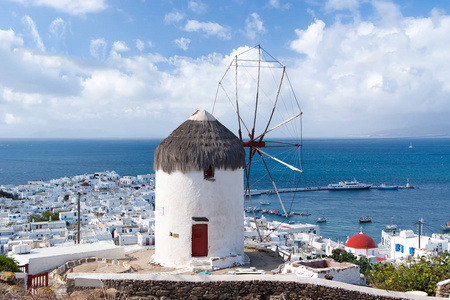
(443, 289)
(228, 287)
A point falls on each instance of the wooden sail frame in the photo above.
(256, 141)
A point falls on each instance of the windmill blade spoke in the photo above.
(275, 103)
(247, 192)
(273, 183)
(280, 161)
(241, 121)
(281, 144)
(281, 124)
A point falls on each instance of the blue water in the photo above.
(375, 161)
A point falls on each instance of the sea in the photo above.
(391, 161)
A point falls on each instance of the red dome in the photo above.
(361, 241)
(85, 184)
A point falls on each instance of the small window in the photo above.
(209, 173)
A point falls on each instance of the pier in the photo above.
(254, 193)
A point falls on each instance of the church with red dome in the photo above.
(361, 245)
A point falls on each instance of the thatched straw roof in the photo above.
(198, 143)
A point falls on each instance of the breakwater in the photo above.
(254, 193)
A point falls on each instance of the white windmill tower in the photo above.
(199, 216)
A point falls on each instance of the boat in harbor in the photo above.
(321, 220)
(348, 185)
(446, 227)
(387, 187)
(264, 203)
(365, 219)
(391, 227)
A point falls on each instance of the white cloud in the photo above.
(120, 46)
(308, 40)
(9, 39)
(183, 43)
(388, 13)
(393, 69)
(209, 28)
(352, 78)
(10, 119)
(173, 17)
(58, 28)
(97, 48)
(140, 44)
(197, 6)
(24, 98)
(34, 32)
(254, 26)
(73, 7)
(276, 4)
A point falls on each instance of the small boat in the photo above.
(391, 227)
(348, 185)
(264, 203)
(321, 219)
(410, 146)
(446, 227)
(387, 187)
(365, 219)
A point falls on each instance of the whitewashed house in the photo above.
(405, 243)
(199, 203)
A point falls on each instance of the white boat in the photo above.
(321, 219)
(410, 146)
(446, 227)
(348, 185)
(391, 227)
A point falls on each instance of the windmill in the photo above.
(268, 120)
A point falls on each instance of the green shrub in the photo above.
(8, 264)
(414, 274)
(44, 217)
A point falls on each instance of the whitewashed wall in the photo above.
(179, 197)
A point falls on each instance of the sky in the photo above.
(139, 68)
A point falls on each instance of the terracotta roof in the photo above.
(361, 241)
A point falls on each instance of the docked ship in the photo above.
(348, 185)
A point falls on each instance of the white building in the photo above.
(405, 243)
(199, 200)
(325, 268)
